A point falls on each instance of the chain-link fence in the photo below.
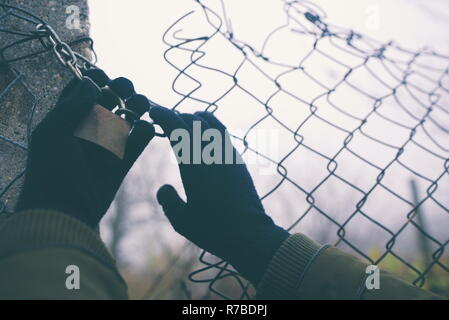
(362, 149)
(379, 111)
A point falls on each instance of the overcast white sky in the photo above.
(128, 33)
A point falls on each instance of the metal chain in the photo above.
(61, 49)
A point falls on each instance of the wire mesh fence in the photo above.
(362, 152)
(380, 110)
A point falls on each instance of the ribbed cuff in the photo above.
(287, 267)
(35, 229)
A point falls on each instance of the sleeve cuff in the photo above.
(287, 268)
(35, 229)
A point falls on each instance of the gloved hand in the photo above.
(223, 213)
(71, 175)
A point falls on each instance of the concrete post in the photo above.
(29, 88)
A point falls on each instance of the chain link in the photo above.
(62, 50)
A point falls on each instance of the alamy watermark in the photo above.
(73, 21)
(373, 17)
(214, 147)
(72, 282)
(372, 281)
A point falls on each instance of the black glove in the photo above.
(71, 175)
(223, 213)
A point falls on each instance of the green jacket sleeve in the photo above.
(37, 247)
(44, 253)
(302, 269)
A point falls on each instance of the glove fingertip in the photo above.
(156, 112)
(123, 87)
(165, 194)
(98, 76)
(211, 119)
(138, 103)
(167, 119)
(143, 130)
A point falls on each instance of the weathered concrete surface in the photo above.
(40, 81)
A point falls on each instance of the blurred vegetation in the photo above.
(435, 280)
